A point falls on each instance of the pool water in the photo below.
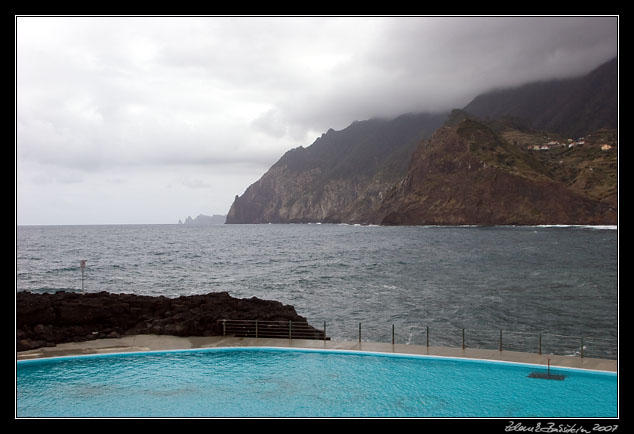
(267, 382)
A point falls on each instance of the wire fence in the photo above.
(502, 340)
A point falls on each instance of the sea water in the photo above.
(561, 280)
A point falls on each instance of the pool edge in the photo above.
(157, 343)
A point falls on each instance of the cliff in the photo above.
(341, 177)
(50, 319)
(479, 172)
(467, 173)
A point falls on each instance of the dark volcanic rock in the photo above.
(50, 319)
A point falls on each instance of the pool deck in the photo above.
(140, 343)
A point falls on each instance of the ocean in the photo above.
(558, 280)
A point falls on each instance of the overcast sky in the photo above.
(151, 119)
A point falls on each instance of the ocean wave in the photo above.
(597, 227)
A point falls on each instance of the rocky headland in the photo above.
(50, 319)
(341, 177)
(469, 172)
(493, 163)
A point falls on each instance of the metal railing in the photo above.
(271, 329)
(532, 342)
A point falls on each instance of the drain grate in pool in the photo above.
(546, 376)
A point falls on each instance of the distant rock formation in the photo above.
(51, 319)
(205, 220)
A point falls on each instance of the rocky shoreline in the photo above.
(49, 319)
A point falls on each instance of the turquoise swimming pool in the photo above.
(274, 382)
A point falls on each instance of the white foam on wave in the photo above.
(598, 227)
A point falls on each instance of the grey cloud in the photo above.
(232, 93)
(305, 73)
(433, 64)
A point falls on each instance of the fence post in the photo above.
(359, 332)
(392, 334)
(224, 327)
(500, 340)
(428, 336)
(324, 331)
(290, 329)
(256, 328)
(539, 347)
(463, 339)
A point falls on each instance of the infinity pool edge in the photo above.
(157, 343)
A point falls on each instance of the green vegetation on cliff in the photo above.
(468, 173)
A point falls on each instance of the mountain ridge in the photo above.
(571, 107)
(357, 175)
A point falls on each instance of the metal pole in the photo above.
(392, 334)
(256, 328)
(500, 340)
(224, 327)
(82, 264)
(290, 329)
(540, 344)
(324, 331)
(427, 335)
(463, 339)
(359, 332)
(582, 347)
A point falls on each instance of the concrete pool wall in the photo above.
(140, 343)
